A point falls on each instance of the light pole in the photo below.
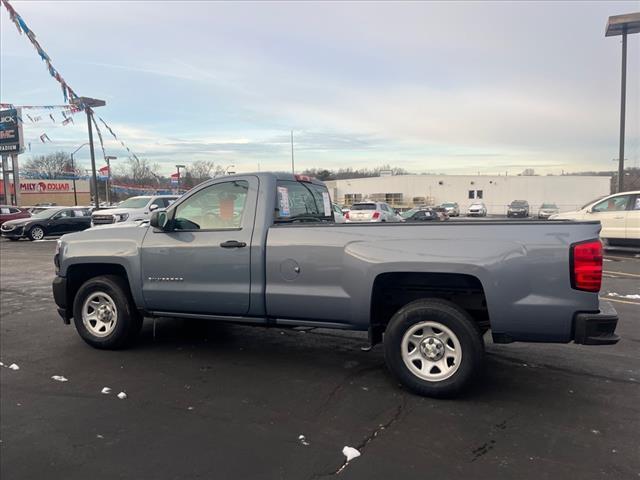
(179, 167)
(73, 167)
(108, 159)
(622, 25)
(87, 103)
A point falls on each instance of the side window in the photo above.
(217, 207)
(5, 211)
(63, 214)
(614, 204)
(419, 215)
(160, 202)
(306, 201)
(14, 210)
(636, 203)
(472, 194)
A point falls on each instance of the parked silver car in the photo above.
(547, 209)
(452, 208)
(477, 209)
(372, 212)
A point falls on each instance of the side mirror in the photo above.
(159, 219)
(153, 207)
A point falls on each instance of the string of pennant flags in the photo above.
(67, 91)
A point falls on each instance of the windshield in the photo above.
(592, 201)
(135, 202)
(363, 206)
(48, 213)
(448, 204)
(518, 203)
(548, 205)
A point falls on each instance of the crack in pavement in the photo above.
(554, 368)
(400, 409)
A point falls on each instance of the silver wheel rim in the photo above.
(99, 314)
(431, 351)
(37, 233)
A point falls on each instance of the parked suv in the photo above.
(619, 215)
(452, 209)
(133, 209)
(477, 209)
(518, 208)
(372, 212)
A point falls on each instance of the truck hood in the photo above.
(108, 233)
(117, 211)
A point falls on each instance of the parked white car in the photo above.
(133, 209)
(337, 214)
(477, 209)
(619, 215)
(372, 212)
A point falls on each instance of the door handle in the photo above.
(233, 244)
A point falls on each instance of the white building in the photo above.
(405, 191)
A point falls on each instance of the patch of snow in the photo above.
(350, 453)
(13, 366)
(122, 395)
(59, 378)
(99, 436)
(303, 440)
(595, 432)
(105, 390)
(631, 296)
(189, 408)
(1, 364)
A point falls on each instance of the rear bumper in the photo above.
(59, 287)
(597, 328)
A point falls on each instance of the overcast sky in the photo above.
(431, 87)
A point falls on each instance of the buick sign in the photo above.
(11, 140)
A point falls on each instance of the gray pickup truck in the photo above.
(263, 249)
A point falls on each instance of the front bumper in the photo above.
(17, 232)
(596, 328)
(59, 287)
(517, 214)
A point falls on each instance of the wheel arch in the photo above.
(393, 290)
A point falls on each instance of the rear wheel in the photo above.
(36, 233)
(104, 313)
(433, 348)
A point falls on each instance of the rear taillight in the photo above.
(346, 215)
(376, 215)
(586, 266)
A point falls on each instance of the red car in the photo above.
(8, 212)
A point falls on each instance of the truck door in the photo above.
(633, 219)
(202, 264)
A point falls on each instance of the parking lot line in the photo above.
(609, 299)
(621, 273)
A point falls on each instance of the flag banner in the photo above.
(44, 138)
(67, 120)
(51, 117)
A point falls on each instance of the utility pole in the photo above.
(108, 159)
(293, 167)
(87, 103)
(622, 25)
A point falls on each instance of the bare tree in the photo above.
(52, 165)
(138, 171)
(199, 171)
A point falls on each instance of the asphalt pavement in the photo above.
(216, 401)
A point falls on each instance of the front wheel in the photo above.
(433, 347)
(36, 233)
(104, 313)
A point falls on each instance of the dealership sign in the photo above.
(11, 138)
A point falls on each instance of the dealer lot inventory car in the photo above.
(133, 209)
(452, 208)
(546, 210)
(477, 209)
(52, 221)
(372, 212)
(619, 215)
(422, 215)
(9, 212)
(518, 208)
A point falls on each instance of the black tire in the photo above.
(34, 233)
(128, 321)
(450, 316)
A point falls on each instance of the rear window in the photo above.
(363, 206)
(302, 202)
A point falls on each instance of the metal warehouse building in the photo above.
(406, 191)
